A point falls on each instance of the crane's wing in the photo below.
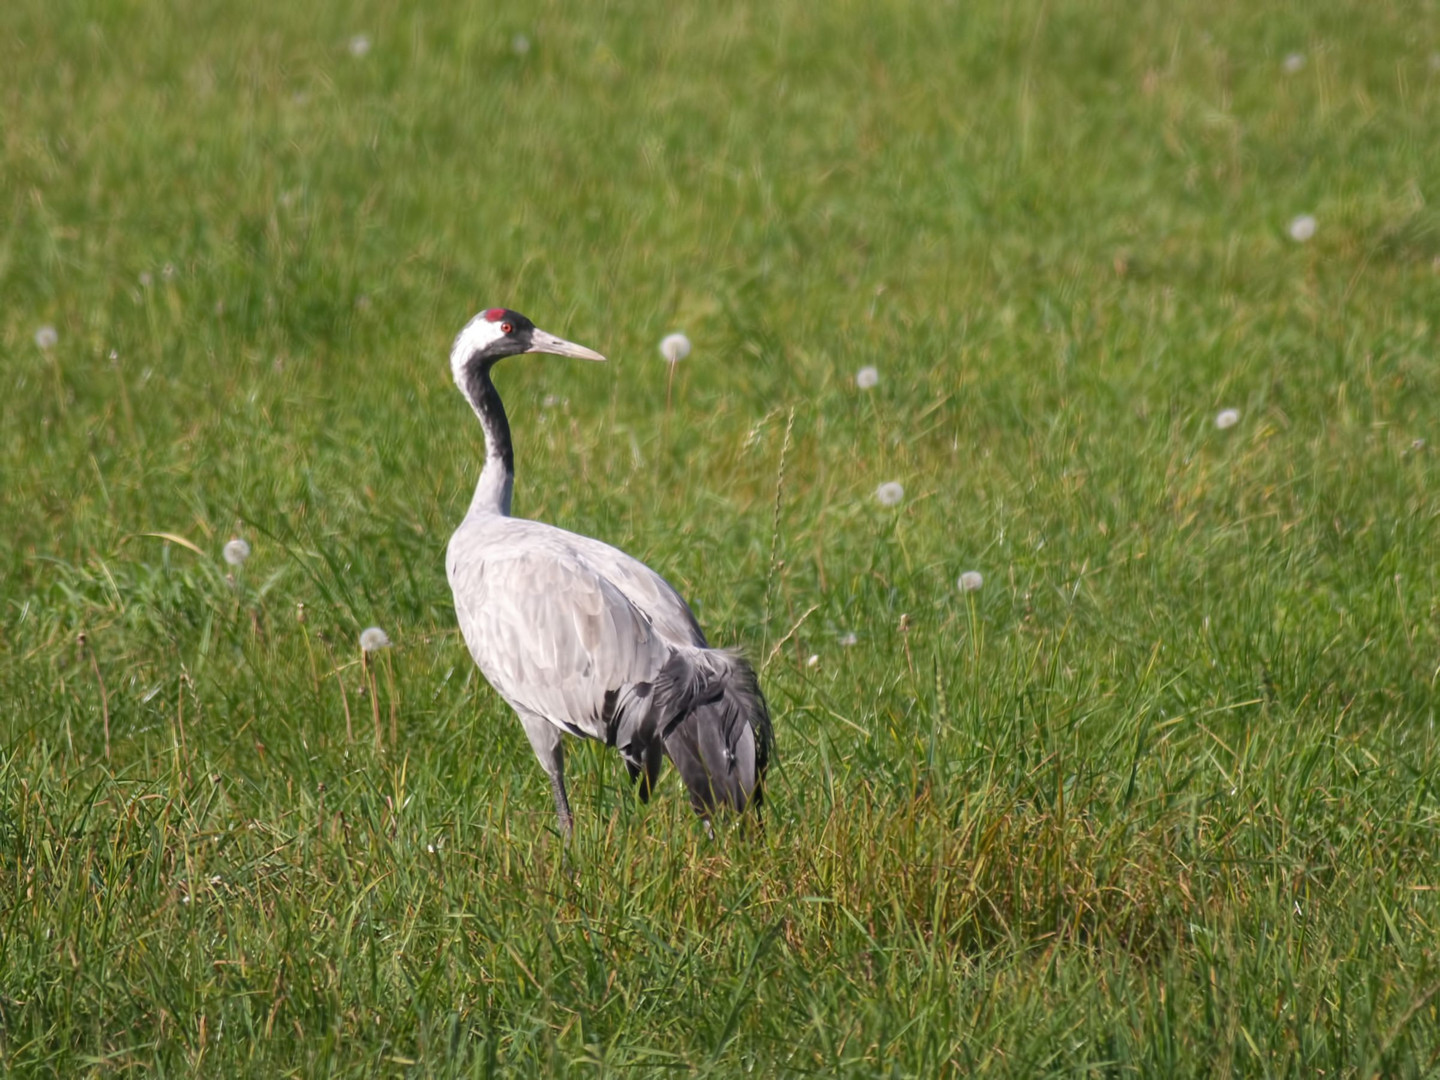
(648, 591)
(557, 638)
(643, 587)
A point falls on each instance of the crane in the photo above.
(580, 638)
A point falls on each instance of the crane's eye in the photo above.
(507, 328)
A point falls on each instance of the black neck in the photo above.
(491, 410)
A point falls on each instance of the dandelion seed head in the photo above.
(359, 46)
(866, 378)
(849, 639)
(889, 493)
(47, 337)
(373, 639)
(236, 551)
(520, 44)
(1227, 418)
(1293, 64)
(813, 661)
(1302, 228)
(675, 347)
(970, 581)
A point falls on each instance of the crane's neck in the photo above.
(497, 478)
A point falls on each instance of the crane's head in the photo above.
(499, 332)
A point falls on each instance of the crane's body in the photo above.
(579, 637)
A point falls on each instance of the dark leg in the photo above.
(545, 741)
(646, 772)
(562, 804)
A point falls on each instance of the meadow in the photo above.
(1158, 799)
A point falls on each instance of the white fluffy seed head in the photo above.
(359, 45)
(970, 581)
(675, 347)
(236, 552)
(1227, 418)
(1293, 63)
(1302, 228)
(866, 378)
(373, 639)
(47, 337)
(813, 661)
(889, 493)
(520, 44)
(849, 639)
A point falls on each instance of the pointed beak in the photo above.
(540, 341)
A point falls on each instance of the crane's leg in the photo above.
(545, 741)
(562, 805)
(646, 771)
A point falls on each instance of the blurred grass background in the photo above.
(1159, 799)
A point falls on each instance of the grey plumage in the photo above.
(579, 637)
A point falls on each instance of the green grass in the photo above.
(1160, 799)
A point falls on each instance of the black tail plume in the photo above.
(722, 745)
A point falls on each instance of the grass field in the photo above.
(1159, 799)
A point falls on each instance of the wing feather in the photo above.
(642, 586)
(551, 633)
